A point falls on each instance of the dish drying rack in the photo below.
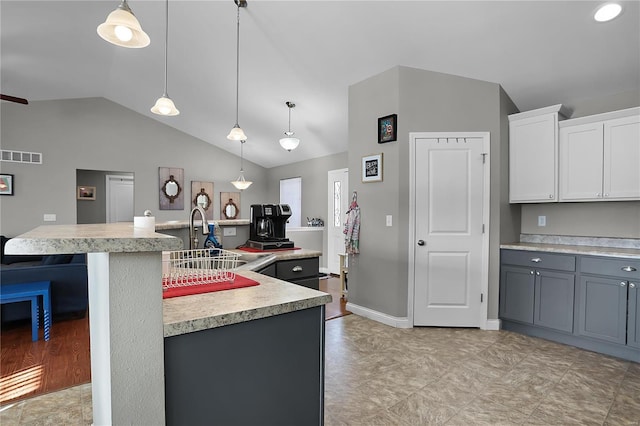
(184, 268)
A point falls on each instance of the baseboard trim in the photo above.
(398, 322)
(492, 325)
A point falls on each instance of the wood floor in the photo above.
(28, 369)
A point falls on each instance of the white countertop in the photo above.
(197, 312)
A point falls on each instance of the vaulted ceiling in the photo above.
(310, 52)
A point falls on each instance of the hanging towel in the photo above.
(352, 230)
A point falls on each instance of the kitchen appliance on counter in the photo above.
(267, 230)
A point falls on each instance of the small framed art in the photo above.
(86, 193)
(6, 184)
(372, 168)
(387, 128)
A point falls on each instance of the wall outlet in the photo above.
(229, 232)
(49, 217)
(389, 220)
(542, 221)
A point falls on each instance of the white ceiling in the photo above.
(309, 52)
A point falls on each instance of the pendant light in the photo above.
(123, 29)
(289, 143)
(164, 105)
(236, 133)
(241, 183)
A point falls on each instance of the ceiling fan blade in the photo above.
(14, 99)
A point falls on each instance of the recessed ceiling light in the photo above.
(607, 12)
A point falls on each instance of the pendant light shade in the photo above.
(164, 105)
(241, 183)
(236, 133)
(289, 143)
(123, 29)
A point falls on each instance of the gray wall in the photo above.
(592, 219)
(97, 134)
(314, 187)
(425, 102)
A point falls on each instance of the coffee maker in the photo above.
(268, 226)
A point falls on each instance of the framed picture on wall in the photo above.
(372, 168)
(387, 128)
(86, 193)
(6, 184)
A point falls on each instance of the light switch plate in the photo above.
(542, 221)
(229, 232)
(49, 217)
(389, 220)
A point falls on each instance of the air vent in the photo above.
(21, 157)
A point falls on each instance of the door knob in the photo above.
(421, 242)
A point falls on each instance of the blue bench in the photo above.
(29, 292)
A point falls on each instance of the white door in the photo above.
(450, 248)
(338, 202)
(119, 196)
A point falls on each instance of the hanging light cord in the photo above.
(166, 48)
(289, 105)
(237, 61)
(241, 157)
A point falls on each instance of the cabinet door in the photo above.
(581, 162)
(622, 158)
(554, 300)
(633, 320)
(533, 159)
(516, 293)
(603, 309)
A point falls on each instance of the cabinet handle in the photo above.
(632, 285)
(550, 195)
(530, 272)
(628, 269)
(297, 269)
(536, 260)
(598, 195)
(537, 273)
(606, 194)
(623, 284)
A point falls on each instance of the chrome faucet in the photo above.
(193, 237)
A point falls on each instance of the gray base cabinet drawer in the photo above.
(534, 259)
(624, 268)
(297, 269)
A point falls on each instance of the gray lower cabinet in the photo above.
(602, 309)
(533, 295)
(592, 302)
(304, 272)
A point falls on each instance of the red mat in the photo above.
(255, 250)
(238, 282)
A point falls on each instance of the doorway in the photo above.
(338, 201)
(95, 209)
(449, 234)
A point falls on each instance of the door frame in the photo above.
(328, 223)
(486, 137)
(108, 178)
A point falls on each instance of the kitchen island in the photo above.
(253, 355)
(128, 324)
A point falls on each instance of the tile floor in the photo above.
(379, 375)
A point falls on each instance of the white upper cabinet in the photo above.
(533, 155)
(600, 157)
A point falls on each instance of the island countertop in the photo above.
(187, 314)
(91, 238)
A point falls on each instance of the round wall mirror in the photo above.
(171, 189)
(231, 210)
(202, 199)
